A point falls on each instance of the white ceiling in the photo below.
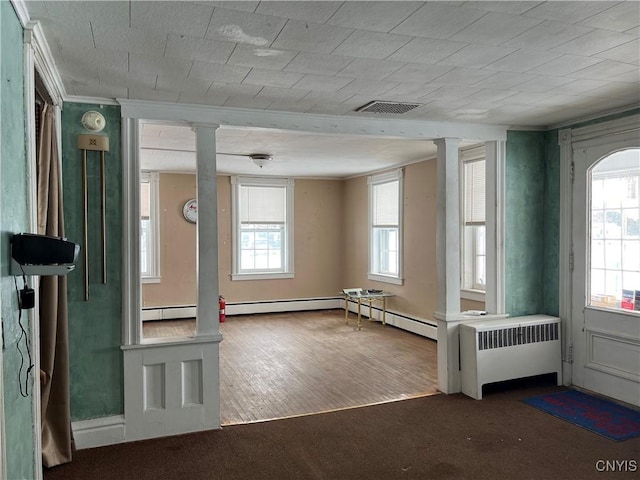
(527, 63)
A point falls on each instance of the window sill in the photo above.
(151, 279)
(475, 295)
(385, 278)
(261, 276)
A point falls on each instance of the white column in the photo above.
(495, 170)
(447, 312)
(207, 230)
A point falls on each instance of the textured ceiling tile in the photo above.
(169, 82)
(522, 60)
(317, 12)
(271, 78)
(277, 93)
(187, 96)
(115, 13)
(594, 42)
(181, 18)
(451, 92)
(419, 73)
(241, 27)
(231, 89)
(367, 87)
(515, 8)
(426, 50)
(131, 80)
(242, 5)
(57, 34)
(93, 89)
(133, 40)
(310, 37)
(488, 95)
(269, 58)
(462, 76)
(371, 44)
(372, 69)
(245, 101)
(376, 16)
(547, 35)
(615, 90)
(322, 83)
(621, 17)
(565, 65)
(217, 72)
(495, 28)
(605, 70)
(285, 105)
(579, 87)
(328, 97)
(567, 11)
(85, 56)
(205, 50)
(153, 95)
(437, 20)
(528, 98)
(505, 80)
(476, 56)
(177, 67)
(318, 63)
(329, 109)
(409, 92)
(627, 53)
(543, 84)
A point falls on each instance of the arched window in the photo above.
(615, 231)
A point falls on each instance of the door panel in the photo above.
(606, 234)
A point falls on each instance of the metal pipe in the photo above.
(85, 229)
(103, 201)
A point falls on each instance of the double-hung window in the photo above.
(149, 228)
(263, 228)
(474, 257)
(385, 227)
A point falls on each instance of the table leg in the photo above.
(384, 310)
(359, 314)
(370, 302)
(346, 310)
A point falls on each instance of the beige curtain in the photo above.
(57, 441)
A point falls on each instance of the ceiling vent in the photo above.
(378, 106)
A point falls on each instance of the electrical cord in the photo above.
(23, 334)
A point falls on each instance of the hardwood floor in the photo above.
(289, 364)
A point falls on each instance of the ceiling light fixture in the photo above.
(260, 159)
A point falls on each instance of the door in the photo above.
(605, 314)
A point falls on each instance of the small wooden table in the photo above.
(359, 295)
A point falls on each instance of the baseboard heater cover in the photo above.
(507, 349)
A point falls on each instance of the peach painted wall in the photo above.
(417, 296)
(177, 245)
(318, 253)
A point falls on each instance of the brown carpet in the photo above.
(436, 437)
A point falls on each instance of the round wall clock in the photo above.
(190, 210)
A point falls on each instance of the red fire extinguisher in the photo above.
(222, 305)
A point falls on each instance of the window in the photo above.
(385, 233)
(474, 256)
(149, 228)
(263, 228)
(615, 231)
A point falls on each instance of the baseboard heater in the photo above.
(419, 326)
(506, 349)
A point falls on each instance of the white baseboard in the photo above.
(410, 323)
(167, 313)
(273, 306)
(98, 432)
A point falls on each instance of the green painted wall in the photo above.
(524, 222)
(18, 411)
(95, 326)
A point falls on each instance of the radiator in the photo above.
(506, 349)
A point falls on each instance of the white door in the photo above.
(606, 277)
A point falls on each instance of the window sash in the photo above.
(474, 192)
(149, 225)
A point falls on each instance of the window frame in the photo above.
(153, 256)
(469, 289)
(373, 181)
(237, 182)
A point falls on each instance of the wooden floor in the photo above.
(289, 364)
